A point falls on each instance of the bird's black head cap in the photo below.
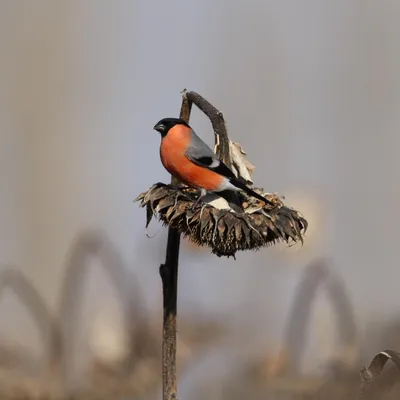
(165, 124)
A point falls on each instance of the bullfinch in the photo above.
(187, 158)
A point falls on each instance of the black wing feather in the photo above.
(222, 169)
(208, 161)
(200, 154)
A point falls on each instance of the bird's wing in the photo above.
(200, 154)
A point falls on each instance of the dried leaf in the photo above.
(164, 203)
(204, 222)
(179, 210)
(140, 197)
(243, 167)
(170, 213)
(370, 373)
(157, 194)
(149, 214)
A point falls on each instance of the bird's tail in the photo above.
(250, 192)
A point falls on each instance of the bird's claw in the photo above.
(197, 202)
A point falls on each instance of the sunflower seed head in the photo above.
(223, 229)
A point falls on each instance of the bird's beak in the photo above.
(159, 127)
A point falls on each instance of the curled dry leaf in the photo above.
(242, 166)
(370, 373)
(224, 230)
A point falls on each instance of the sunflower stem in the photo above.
(169, 277)
(169, 270)
(217, 121)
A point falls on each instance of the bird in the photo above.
(191, 161)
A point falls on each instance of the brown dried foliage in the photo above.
(226, 231)
(370, 373)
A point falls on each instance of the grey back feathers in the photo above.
(200, 154)
(198, 149)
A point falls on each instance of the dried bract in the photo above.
(224, 229)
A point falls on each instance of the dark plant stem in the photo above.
(169, 270)
(169, 277)
(217, 121)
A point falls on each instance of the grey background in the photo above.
(310, 89)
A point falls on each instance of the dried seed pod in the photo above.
(225, 230)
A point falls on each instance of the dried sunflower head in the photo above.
(215, 224)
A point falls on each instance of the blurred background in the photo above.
(312, 92)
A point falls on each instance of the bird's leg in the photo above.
(203, 193)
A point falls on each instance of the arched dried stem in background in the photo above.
(46, 323)
(95, 243)
(316, 274)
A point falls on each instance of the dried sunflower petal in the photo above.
(225, 231)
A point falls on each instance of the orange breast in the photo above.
(172, 152)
